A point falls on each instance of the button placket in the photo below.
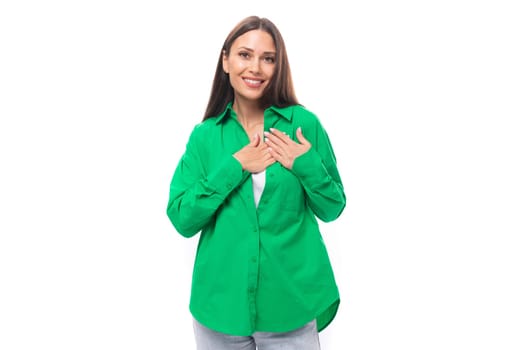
(253, 274)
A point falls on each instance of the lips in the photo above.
(253, 82)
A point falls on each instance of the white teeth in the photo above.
(249, 81)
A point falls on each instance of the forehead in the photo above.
(257, 40)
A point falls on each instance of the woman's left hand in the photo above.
(283, 148)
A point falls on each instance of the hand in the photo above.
(254, 157)
(283, 148)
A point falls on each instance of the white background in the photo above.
(424, 103)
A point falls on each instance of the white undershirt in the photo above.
(258, 181)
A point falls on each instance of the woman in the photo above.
(256, 174)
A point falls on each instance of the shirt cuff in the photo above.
(309, 167)
(226, 176)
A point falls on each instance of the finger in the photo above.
(274, 139)
(280, 134)
(278, 157)
(273, 153)
(255, 140)
(272, 146)
(300, 136)
(269, 161)
(277, 152)
(263, 145)
(268, 156)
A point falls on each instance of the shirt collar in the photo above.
(285, 112)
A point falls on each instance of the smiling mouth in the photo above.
(253, 82)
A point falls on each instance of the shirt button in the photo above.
(254, 259)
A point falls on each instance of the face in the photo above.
(250, 64)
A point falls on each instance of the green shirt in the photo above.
(265, 268)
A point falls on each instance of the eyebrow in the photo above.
(251, 50)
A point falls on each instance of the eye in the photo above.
(244, 54)
(269, 59)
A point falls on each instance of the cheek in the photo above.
(269, 71)
(239, 66)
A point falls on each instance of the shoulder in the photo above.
(302, 116)
(297, 113)
(203, 129)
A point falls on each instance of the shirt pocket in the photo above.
(289, 191)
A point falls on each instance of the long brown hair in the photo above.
(279, 92)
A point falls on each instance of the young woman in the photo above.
(257, 174)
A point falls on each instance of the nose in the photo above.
(255, 65)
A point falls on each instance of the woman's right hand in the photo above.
(254, 157)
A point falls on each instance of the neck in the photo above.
(248, 114)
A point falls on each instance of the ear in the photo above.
(225, 62)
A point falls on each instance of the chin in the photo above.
(252, 97)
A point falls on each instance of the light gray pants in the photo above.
(304, 338)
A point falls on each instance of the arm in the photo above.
(195, 194)
(314, 164)
(317, 171)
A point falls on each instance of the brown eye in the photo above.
(269, 59)
(244, 54)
